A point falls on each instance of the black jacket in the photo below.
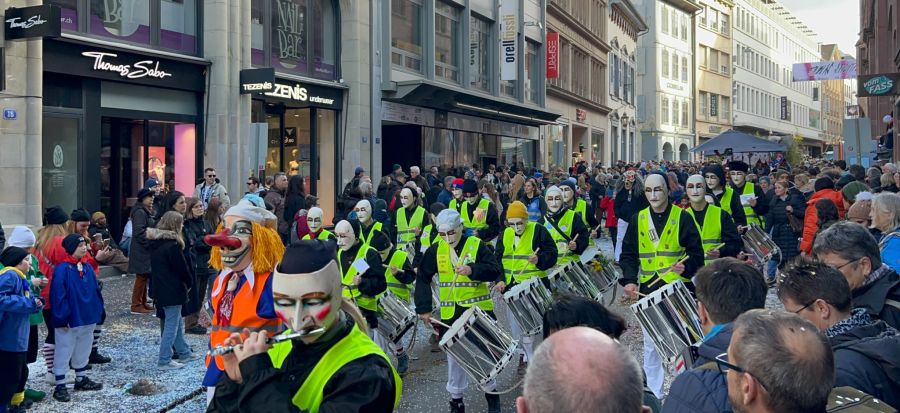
(547, 256)
(873, 298)
(628, 204)
(737, 210)
(733, 242)
(866, 358)
(578, 229)
(362, 385)
(194, 231)
(408, 213)
(292, 204)
(104, 233)
(492, 220)
(778, 225)
(702, 389)
(171, 278)
(139, 251)
(762, 204)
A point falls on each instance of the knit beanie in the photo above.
(21, 237)
(568, 183)
(80, 215)
(12, 256)
(823, 182)
(470, 187)
(714, 169)
(457, 183)
(70, 242)
(860, 210)
(517, 210)
(852, 189)
(845, 179)
(55, 216)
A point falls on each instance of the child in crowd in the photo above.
(76, 309)
(16, 305)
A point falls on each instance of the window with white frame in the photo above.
(406, 34)
(480, 54)
(664, 111)
(685, 114)
(447, 41)
(725, 62)
(704, 99)
(684, 69)
(674, 66)
(702, 62)
(665, 64)
(725, 108)
(664, 19)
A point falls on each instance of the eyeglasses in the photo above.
(804, 307)
(210, 176)
(724, 365)
(840, 267)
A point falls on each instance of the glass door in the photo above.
(60, 164)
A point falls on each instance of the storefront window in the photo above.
(559, 148)
(127, 20)
(68, 13)
(479, 54)
(518, 153)
(406, 34)
(326, 137)
(257, 33)
(289, 31)
(508, 88)
(59, 176)
(324, 40)
(532, 72)
(446, 42)
(297, 157)
(178, 25)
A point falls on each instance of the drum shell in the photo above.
(395, 317)
(479, 345)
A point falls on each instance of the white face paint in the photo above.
(346, 238)
(712, 181)
(696, 189)
(655, 190)
(517, 224)
(554, 199)
(738, 177)
(473, 199)
(363, 211)
(406, 197)
(567, 194)
(308, 301)
(314, 219)
(449, 226)
(457, 193)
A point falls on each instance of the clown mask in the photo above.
(655, 190)
(554, 199)
(696, 189)
(346, 237)
(236, 253)
(567, 194)
(309, 301)
(407, 198)
(630, 176)
(518, 225)
(363, 211)
(314, 219)
(712, 181)
(738, 177)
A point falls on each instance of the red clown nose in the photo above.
(222, 239)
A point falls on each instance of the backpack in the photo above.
(848, 399)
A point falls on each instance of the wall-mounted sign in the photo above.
(312, 95)
(714, 105)
(852, 111)
(829, 70)
(9, 114)
(398, 112)
(31, 22)
(257, 80)
(552, 55)
(785, 108)
(509, 39)
(878, 85)
(132, 70)
(580, 115)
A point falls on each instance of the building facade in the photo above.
(666, 79)
(625, 26)
(768, 40)
(878, 51)
(713, 69)
(579, 92)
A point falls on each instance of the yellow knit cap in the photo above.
(517, 210)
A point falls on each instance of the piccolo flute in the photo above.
(222, 350)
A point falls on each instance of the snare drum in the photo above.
(479, 345)
(394, 318)
(669, 316)
(556, 279)
(583, 283)
(528, 301)
(759, 243)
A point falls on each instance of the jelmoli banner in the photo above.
(878, 85)
(552, 55)
(509, 39)
(31, 22)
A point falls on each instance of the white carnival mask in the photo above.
(656, 191)
(696, 188)
(738, 177)
(314, 219)
(449, 227)
(457, 193)
(308, 301)
(554, 199)
(517, 224)
(406, 197)
(567, 194)
(363, 211)
(712, 181)
(346, 238)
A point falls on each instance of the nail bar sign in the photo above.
(104, 61)
(32, 22)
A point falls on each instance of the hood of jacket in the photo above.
(715, 345)
(161, 234)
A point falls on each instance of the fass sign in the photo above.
(878, 84)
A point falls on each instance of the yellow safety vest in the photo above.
(456, 289)
(515, 258)
(562, 246)
(354, 346)
(664, 254)
(752, 218)
(711, 230)
(454, 205)
(581, 208)
(350, 290)
(478, 222)
(725, 202)
(323, 235)
(425, 238)
(406, 231)
(367, 239)
(398, 260)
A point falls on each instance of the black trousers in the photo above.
(32, 345)
(15, 373)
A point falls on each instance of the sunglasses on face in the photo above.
(210, 176)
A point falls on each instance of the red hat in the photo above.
(457, 183)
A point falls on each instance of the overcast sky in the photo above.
(835, 21)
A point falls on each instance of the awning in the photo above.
(436, 95)
(738, 142)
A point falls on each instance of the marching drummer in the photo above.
(361, 273)
(316, 230)
(526, 250)
(478, 214)
(662, 245)
(338, 368)
(718, 233)
(408, 221)
(464, 265)
(565, 226)
(753, 198)
(723, 195)
(399, 274)
(578, 205)
(367, 225)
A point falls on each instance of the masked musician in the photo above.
(314, 222)
(723, 195)
(526, 250)
(399, 275)
(628, 200)
(408, 221)
(245, 252)
(752, 197)
(464, 266)
(478, 214)
(580, 206)
(715, 225)
(565, 226)
(338, 369)
(657, 240)
(456, 189)
(361, 272)
(367, 225)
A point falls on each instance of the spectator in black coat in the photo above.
(195, 228)
(294, 198)
(783, 203)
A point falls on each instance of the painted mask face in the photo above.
(517, 224)
(457, 193)
(712, 181)
(363, 211)
(309, 301)
(738, 177)
(346, 238)
(406, 197)
(567, 194)
(314, 219)
(630, 176)
(449, 226)
(554, 199)
(239, 258)
(696, 188)
(655, 190)
(472, 199)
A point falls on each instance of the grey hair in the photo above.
(783, 352)
(448, 180)
(415, 168)
(365, 189)
(616, 387)
(886, 180)
(849, 241)
(888, 202)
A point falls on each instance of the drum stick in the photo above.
(523, 268)
(658, 278)
(440, 323)
(717, 246)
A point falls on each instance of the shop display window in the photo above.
(295, 36)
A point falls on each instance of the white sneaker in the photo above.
(172, 365)
(50, 378)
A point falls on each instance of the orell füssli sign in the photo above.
(31, 22)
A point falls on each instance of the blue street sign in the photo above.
(9, 114)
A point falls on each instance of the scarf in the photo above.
(858, 318)
(876, 275)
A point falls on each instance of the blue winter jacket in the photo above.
(702, 389)
(75, 298)
(16, 304)
(890, 249)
